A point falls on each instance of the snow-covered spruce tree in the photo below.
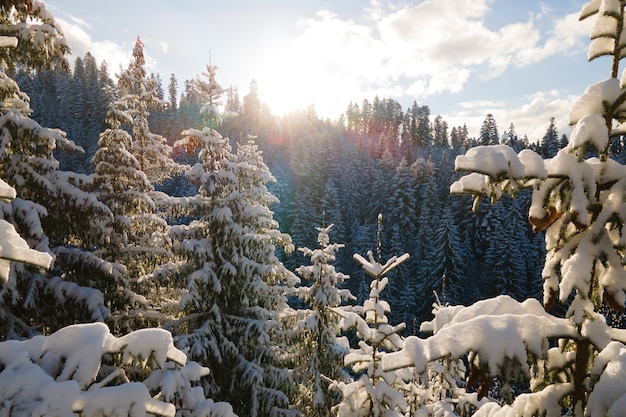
(51, 211)
(375, 392)
(84, 369)
(13, 248)
(139, 95)
(316, 353)
(37, 41)
(229, 269)
(579, 200)
(136, 242)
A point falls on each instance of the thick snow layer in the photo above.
(544, 402)
(591, 129)
(376, 269)
(57, 374)
(591, 102)
(496, 329)
(496, 161)
(590, 9)
(14, 248)
(604, 25)
(7, 192)
(534, 165)
(8, 42)
(474, 183)
(606, 171)
(490, 164)
(609, 394)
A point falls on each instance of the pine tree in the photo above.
(489, 131)
(424, 138)
(251, 110)
(139, 95)
(172, 90)
(448, 256)
(136, 239)
(318, 353)
(440, 132)
(405, 138)
(549, 145)
(511, 139)
(332, 210)
(232, 277)
(505, 268)
(427, 225)
(375, 392)
(51, 210)
(80, 368)
(575, 362)
(27, 20)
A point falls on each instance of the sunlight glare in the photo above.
(293, 81)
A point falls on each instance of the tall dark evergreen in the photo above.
(316, 352)
(550, 143)
(505, 267)
(448, 255)
(136, 237)
(172, 90)
(489, 131)
(229, 274)
(440, 132)
(139, 95)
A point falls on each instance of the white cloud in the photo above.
(542, 106)
(568, 35)
(451, 34)
(80, 22)
(345, 58)
(531, 117)
(434, 47)
(481, 104)
(114, 54)
(451, 80)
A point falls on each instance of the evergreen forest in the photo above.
(172, 248)
(377, 158)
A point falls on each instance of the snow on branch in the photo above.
(495, 329)
(8, 42)
(375, 268)
(14, 248)
(67, 371)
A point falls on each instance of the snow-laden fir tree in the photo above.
(51, 210)
(35, 38)
(136, 240)
(317, 353)
(81, 368)
(573, 364)
(13, 248)
(374, 392)
(139, 95)
(229, 269)
(84, 369)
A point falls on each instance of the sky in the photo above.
(522, 61)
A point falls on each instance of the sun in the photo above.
(285, 87)
(293, 82)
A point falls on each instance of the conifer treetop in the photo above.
(35, 38)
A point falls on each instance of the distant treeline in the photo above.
(376, 158)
